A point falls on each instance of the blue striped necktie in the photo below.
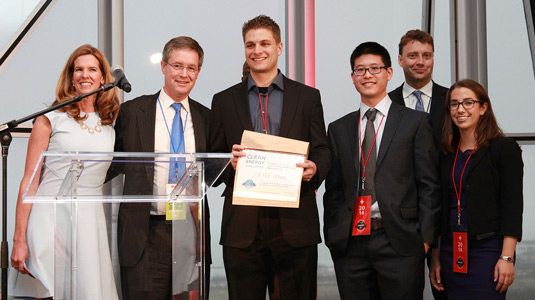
(177, 167)
(419, 103)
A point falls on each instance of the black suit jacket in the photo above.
(302, 119)
(493, 190)
(436, 111)
(406, 181)
(134, 132)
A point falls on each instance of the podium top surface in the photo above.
(79, 176)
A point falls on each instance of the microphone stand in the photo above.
(5, 139)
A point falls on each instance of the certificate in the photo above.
(267, 175)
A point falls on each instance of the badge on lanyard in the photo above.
(362, 216)
(362, 209)
(460, 231)
(174, 210)
(460, 249)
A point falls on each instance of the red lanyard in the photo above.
(458, 194)
(264, 113)
(364, 163)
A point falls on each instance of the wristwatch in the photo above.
(507, 258)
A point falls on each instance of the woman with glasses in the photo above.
(481, 174)
(37, 243)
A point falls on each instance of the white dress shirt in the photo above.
(162, 142)
(380, 119)
(410, 99)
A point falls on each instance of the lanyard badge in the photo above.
(363, 204)
(460, 231)
(362, 216)
(460, 249)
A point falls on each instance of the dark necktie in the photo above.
(419, 103)
(177, 167)
(369, 137)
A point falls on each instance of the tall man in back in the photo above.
(417, 58)
(382, 192)
(168, 121)
(419, 91)
(258, 239)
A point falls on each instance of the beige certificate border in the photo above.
(264, 142)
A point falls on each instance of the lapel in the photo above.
(353, 134)
(198, 127)
(397, 96)
(446, 169)
(241, 104)
(146, 118)
(392, 122)
(437, 101)
(477, 157)
(289, 106)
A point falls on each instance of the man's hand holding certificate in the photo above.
(269, 170)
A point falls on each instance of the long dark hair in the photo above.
(487, 128)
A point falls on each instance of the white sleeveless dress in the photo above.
(94, 273)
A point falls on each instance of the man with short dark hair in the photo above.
(257, 239)
(382, 193)
(419, 92)
(168, 121)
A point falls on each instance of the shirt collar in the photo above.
(277, 82)
(426, 89)
(383, 106)
(166, 101)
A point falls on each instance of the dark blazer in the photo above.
(134, 132)
(494, 190)
(302, 119)
(436, 111)
(406, 181)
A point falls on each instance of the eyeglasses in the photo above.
(179, 68)
(467, 104)
(373, 70)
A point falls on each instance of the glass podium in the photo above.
(74, 189)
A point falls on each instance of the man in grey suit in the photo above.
(145, 124)
(419, 91)
(383, 155)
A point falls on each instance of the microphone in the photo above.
(120, 79)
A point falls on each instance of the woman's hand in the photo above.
(504, 271)
(504, 275)
(19, 256)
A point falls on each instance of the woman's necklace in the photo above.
(93, 129)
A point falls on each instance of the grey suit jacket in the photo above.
(406, 181)
(134, 131)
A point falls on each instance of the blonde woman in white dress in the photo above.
(83, 126)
